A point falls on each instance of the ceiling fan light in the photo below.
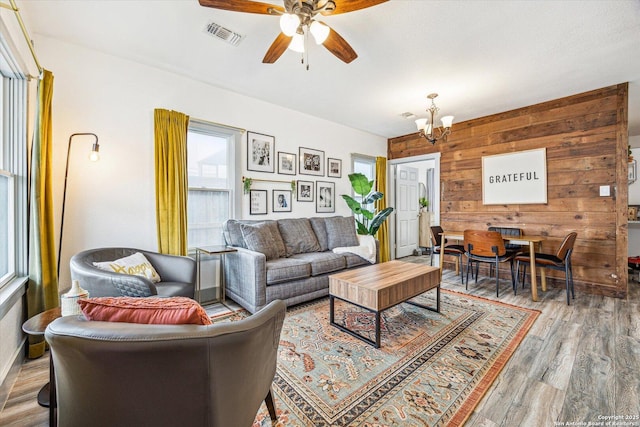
(319, 31)
(447, 121)
(289, 23)
(297, 43)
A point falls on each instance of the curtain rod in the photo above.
(218, 124)
(16, 12)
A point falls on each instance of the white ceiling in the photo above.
(482, 57)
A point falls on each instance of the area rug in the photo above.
(431, 370)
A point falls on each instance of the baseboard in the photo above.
(12, 375)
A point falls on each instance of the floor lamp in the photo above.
(94, 157)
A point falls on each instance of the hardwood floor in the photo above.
(577, 364)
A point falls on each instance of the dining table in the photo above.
(522, 240)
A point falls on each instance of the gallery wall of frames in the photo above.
(305, 174)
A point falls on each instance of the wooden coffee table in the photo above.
(381, 286)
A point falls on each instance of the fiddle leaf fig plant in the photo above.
(367, 221)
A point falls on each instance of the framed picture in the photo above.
(257, 202)
(632, 171)
(281, 201)
(305, 191)
(260, 152)
(311, 161)
(326, 197)
(515, 178)
(334, 168)
(286, 163)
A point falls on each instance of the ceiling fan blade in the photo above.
(242, 6)
(343, 6)
(339, 47)
(277, 48)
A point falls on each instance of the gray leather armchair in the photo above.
(178, 274)
(122, 374)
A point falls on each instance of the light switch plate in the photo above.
(605, 191)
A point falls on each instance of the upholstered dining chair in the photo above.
(122, 374)
(561, 260)
(449, 249)
(488, 247)
(177, 274)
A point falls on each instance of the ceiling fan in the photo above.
(297, 20)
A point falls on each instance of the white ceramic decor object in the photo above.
(69, 300)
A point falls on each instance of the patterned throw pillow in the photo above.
(261, 238)
(136, 264)
(160, 311)
(341, 231)
(320, 230)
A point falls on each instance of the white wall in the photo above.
(112, 202)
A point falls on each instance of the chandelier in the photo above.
(427, 128)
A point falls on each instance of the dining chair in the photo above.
(487, 246)
(455, 250)
(561, 260)
(510, 247)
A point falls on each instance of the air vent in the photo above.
(223, 33)
(408, 115)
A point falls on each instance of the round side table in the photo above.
(36, 326)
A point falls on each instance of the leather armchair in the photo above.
(122, 374)
(177, 274)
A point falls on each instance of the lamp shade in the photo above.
(447, 121)
(319, 31)
(297, 43)
(289, 23)
(421, 124)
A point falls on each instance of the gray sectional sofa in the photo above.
(288, 259)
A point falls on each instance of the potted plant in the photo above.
(367, 221)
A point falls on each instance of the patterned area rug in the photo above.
(431, 370)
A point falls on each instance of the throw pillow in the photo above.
(320, 230)
(261, 238)
(161, 311)
(298, 236)
(136, 264)
(341, 232)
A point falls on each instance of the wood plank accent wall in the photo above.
(586, 140)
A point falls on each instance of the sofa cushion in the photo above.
(320, 230)
(165, 311)
(354, 260)
(298, 236)
(341, 232)
(136, 264)
(287, 269)
(233, 233)
(264, 238)
(322, 262)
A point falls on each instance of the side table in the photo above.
(47, 394)
(220, 250)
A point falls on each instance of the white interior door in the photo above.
(407, 211)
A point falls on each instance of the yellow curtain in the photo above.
(42, 292)
(170, 128)
(381, 185)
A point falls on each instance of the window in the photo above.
(210, 160)
(13, 174)
(7, 227)
(365, 165)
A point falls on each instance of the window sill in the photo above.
(11, 294)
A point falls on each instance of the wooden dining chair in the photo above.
(487, 246)
(510, 247)
(449, 249)
(561, 260)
